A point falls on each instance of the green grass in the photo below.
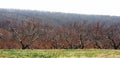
(58, 53)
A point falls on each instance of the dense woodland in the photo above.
(25, 29)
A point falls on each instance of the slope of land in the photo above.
(53, 17)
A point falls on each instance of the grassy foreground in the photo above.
(60, 53)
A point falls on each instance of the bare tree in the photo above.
(113, 35)
(97, 34)
(80, 30)
(27, 32)
(75, 31)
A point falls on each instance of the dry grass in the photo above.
(101, 56)
(60, 53)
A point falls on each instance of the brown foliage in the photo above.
(78, 35)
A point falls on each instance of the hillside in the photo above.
(53, 17)
(28, 29)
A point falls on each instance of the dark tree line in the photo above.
(35, 34)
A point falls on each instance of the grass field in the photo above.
(60, 53)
